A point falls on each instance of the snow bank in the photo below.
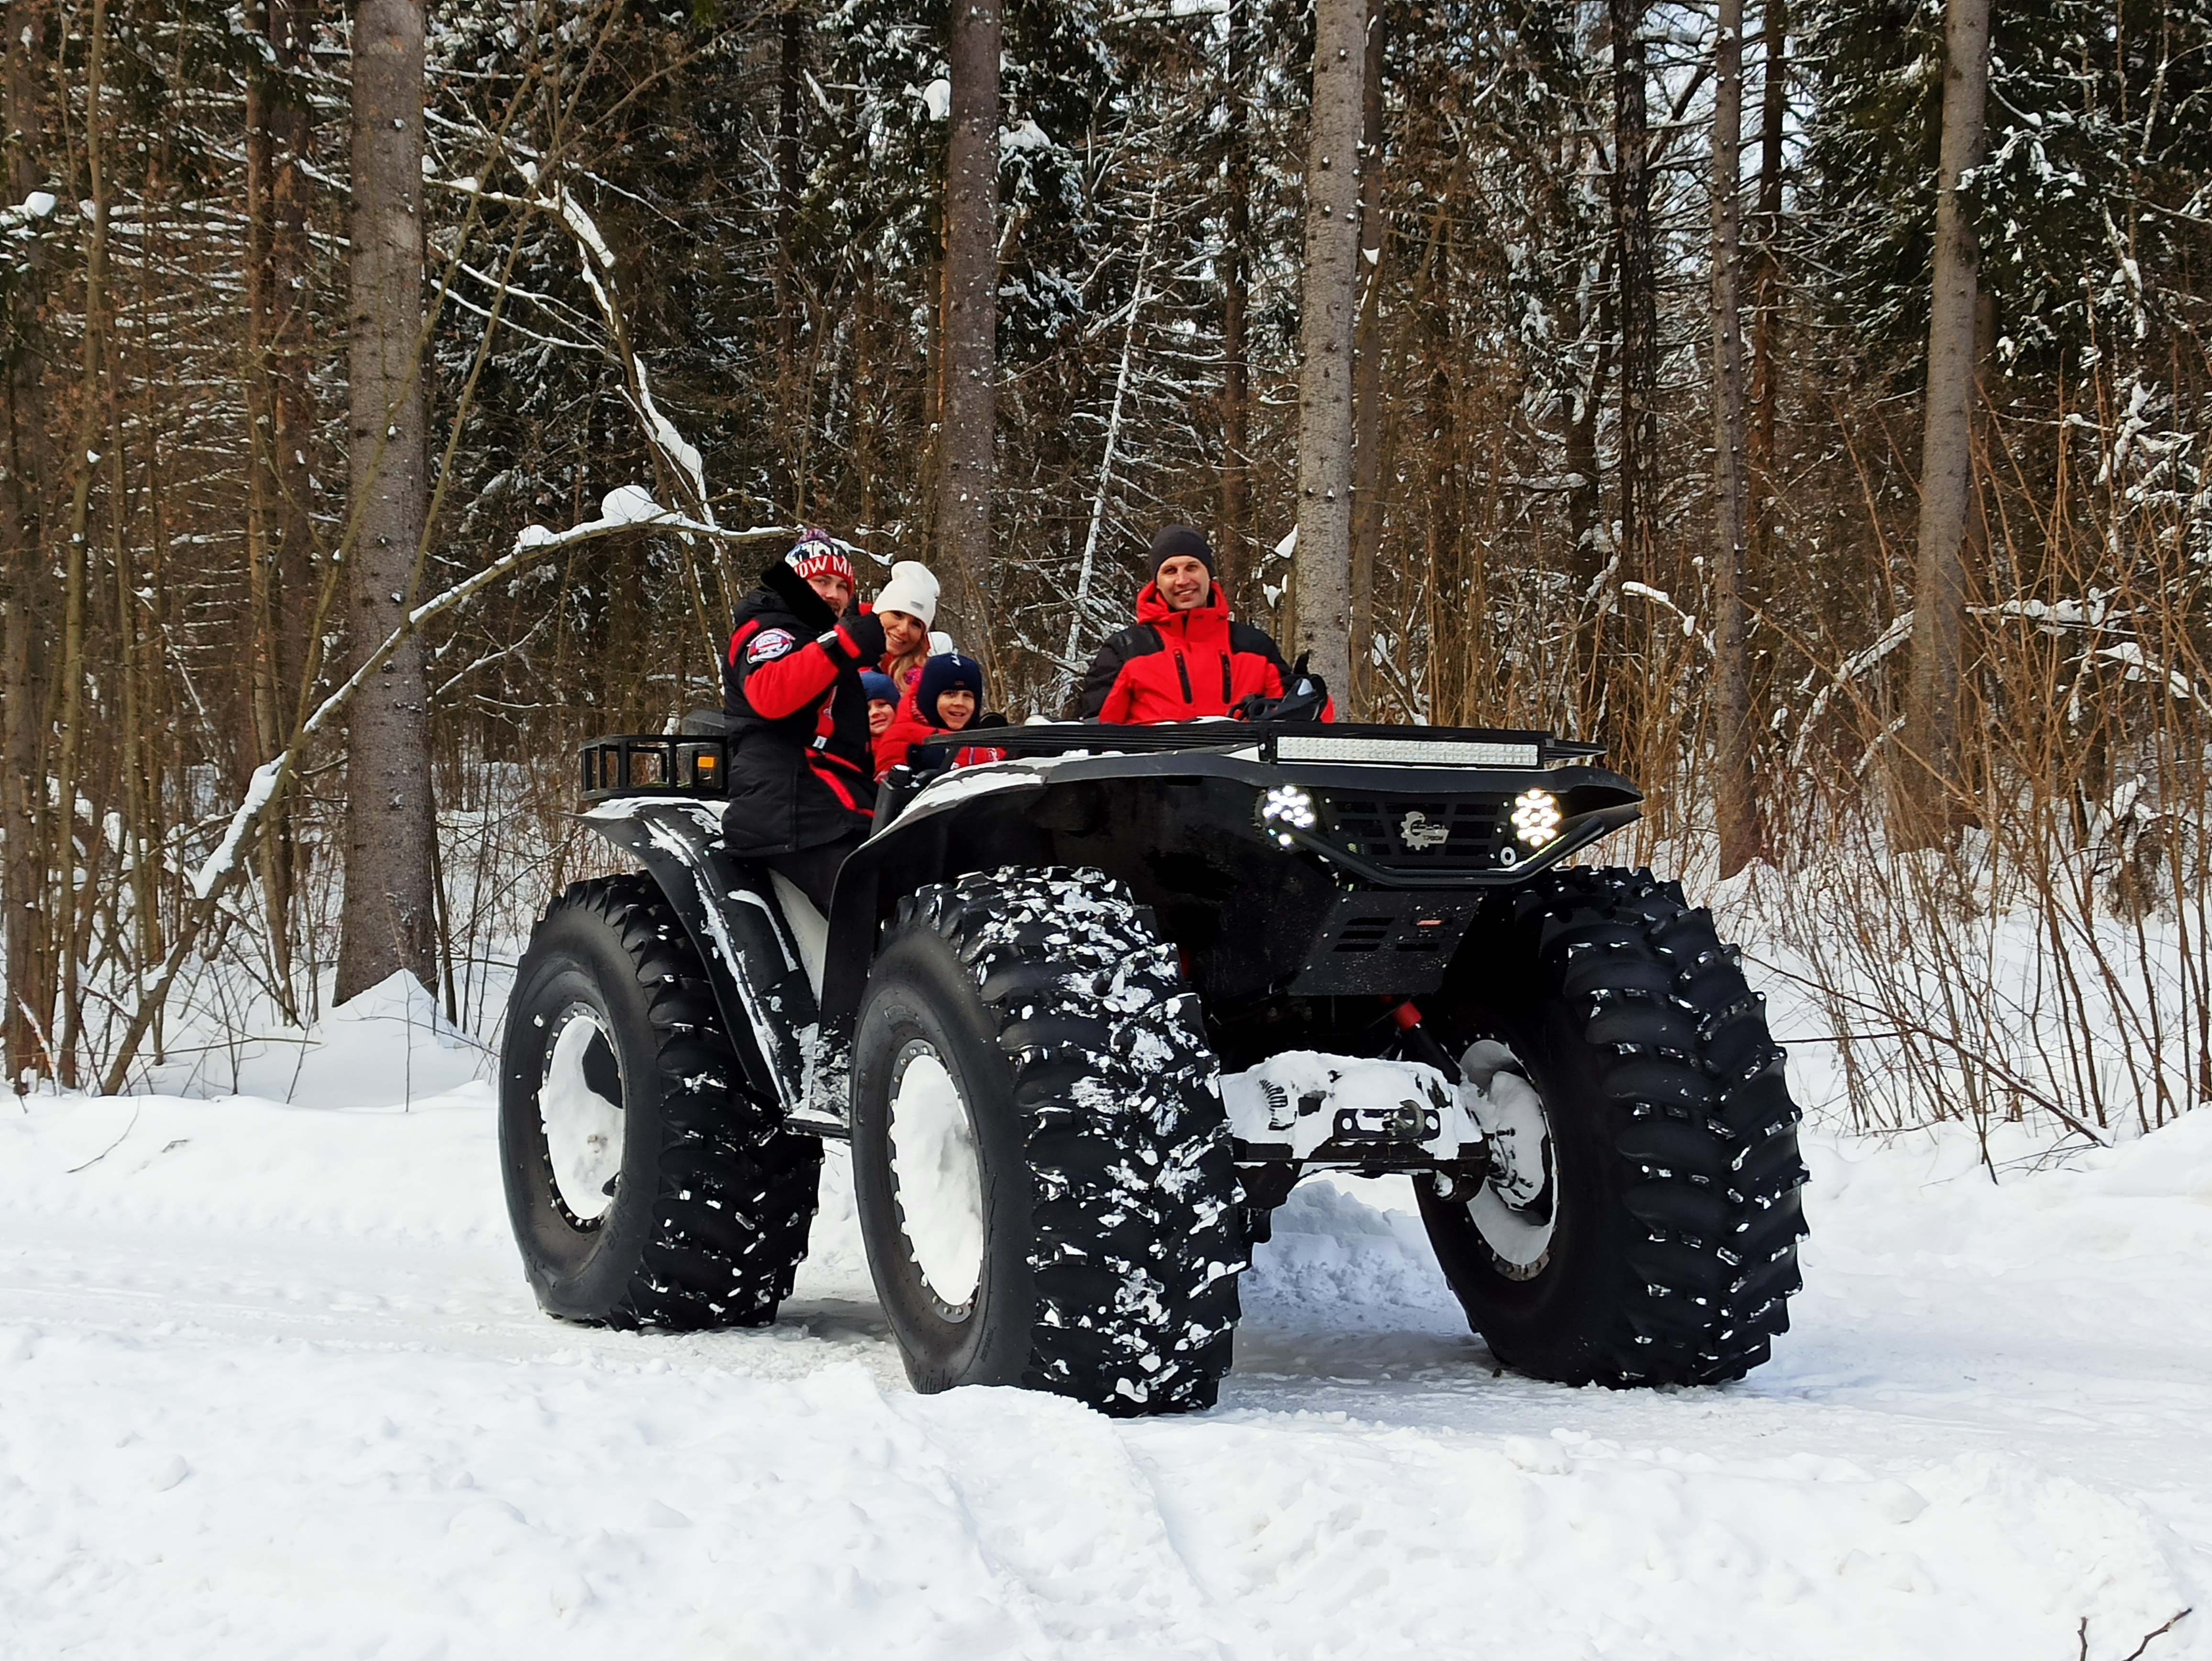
(2148, 1198)
(390, 1046)
(271, 1385)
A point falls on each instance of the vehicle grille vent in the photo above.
(1363, 933)
(1459, 833)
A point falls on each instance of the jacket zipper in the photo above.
(1226, 692)
(1183, 674)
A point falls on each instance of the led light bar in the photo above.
(1405, 752)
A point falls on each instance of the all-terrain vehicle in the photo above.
(1087, 1015)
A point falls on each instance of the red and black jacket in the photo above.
(800, 773)
(1178, 666)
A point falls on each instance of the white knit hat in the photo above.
(912, 590)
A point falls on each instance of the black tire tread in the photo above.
(1699, 1110)
(1135, 1247)
(735, 1192)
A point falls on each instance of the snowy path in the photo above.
(271, 1384)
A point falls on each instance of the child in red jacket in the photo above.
(947, 697)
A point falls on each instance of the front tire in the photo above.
(646, 1189)
(1641, 1224)
(1040, 1154)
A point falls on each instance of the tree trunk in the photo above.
(1329, 298)
(24, 631)
(1367, 381)
(1928, 797)
(1587, 557)
(76, 552)
(971, 321)
(1766, 302)
(1235, 553)
(787, 465)
(1448, 648)
(1734, 792)
(281, 405)
(1639, 305)
(388, 921)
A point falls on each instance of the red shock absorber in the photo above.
(1418, 1045)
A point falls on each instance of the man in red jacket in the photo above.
(1184, 657)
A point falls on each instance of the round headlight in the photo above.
(1286, 803)
(1535, 816)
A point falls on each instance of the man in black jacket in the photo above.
(801, 775)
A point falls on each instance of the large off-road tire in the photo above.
(1040, 1154)
(646, 1187)
(1651, 1238)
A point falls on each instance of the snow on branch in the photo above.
(1666, 601)
(628, 508)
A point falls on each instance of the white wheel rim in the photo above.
(1517, 1211)
(583, 1128)
(937, 1180)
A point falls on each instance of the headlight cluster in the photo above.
(1287, 808)
(1535, 816)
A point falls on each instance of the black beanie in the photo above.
(1180, 541)
(946, 673)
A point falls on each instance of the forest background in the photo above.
(1704, 387)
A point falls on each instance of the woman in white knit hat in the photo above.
(907, 606)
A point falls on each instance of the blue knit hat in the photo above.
(879, 687)
(948, 673)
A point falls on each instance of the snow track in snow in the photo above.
(271, 1385)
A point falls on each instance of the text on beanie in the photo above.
(815, 555)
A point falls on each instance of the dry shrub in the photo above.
(2052, 958)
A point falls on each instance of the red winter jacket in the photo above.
(1178, 666)
(797, 719)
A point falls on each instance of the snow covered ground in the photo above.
(271, 1385)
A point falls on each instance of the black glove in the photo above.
(992, 718)
(865, 631)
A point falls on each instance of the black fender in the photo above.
(943, 834)
(728, 908)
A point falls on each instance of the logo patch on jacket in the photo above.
(770, 643)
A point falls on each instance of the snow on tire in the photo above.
(646, 1189)
(1668, 1196)
(1028, 1058)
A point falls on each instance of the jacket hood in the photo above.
(1151, 608)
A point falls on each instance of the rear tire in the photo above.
(1656, 1242)
(1040, 1154)
(616, 1066)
